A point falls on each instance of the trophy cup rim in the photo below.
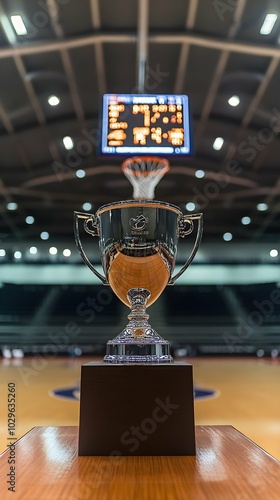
(134, 203)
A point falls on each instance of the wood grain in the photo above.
(227, 466)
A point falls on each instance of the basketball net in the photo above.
(144, 173)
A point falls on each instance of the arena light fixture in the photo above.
(53, 100)
(234, 100)
(44, 235)
(53, 250)
(273, 252)
(218, 143)
(268, 24)
(18, 25)
(199, 174)
(227, 236)
(68, 142)
(12, 205)
(87, 206)
(246, 220)
(29, 219)
(80, 173)
(190, 206)
(262, 207)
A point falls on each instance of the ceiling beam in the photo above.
(107, 169)
(142, 43)
(185, 48)
(99, 53)
(271, 192)
(232, 148)
(272, 67)
(219, 72)
(53, 12)
(35, 103)
(21, 151)
(157, 38)
(69, 43)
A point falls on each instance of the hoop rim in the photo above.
(136, 159)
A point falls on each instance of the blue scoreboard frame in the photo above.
(141, 124)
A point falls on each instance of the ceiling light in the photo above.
(234, 100)
(53, 250)
(273, 253)
(17, 255)
(2, 252)
(227, 236)
(53, 100)
(262, 207)
(268, 24)
(29, 219)
(44, 235)
(19, 25)
(12, 206)
(87, 206)
(218, 143)
(246, 220)
(33, 250)
(199, 174)
(80, 173)
(66, 252)
(68, 142)
(190, 206)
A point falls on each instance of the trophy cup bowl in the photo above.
(138, 246)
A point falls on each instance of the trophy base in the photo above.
(137, 349)
(138, 342)
(137, 352)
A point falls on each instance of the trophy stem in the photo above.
(138, 317)
(138, 342)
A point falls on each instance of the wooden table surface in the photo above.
(227, 466)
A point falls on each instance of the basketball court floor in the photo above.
(242, 392)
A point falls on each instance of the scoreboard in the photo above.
(145, 124)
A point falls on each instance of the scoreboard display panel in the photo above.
(134, 124)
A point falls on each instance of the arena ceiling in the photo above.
(79, 50)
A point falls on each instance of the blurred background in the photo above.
(57, 59)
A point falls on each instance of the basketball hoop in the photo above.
(144, 173)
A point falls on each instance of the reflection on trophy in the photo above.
(138, 246)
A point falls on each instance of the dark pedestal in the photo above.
(140, 409)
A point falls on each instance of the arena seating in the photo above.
(206, 319)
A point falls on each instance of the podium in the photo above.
(136, 409)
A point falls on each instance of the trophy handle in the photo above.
(94, 232)
(186, 227)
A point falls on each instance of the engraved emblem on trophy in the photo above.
(138, 242)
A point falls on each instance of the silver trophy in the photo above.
(138, 247)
